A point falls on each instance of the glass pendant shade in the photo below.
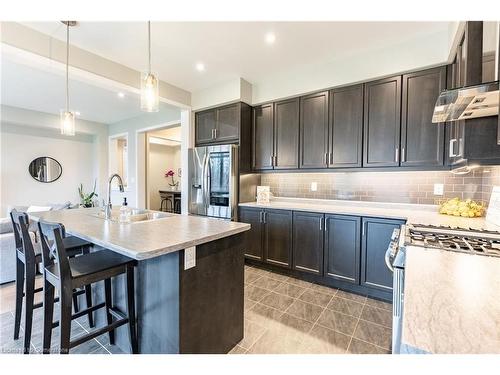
(149, 92)
(67, 122)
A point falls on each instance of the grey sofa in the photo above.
(7, 244)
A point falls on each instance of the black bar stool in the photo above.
(167, 199)
(28, 255)
(71, 273)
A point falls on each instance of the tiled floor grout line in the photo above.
(85, 329)
(355, 327)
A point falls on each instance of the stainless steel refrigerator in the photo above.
(213, 181)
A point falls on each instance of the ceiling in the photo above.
(231, 50)
(43, 90)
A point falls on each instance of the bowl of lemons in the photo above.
(463, 208)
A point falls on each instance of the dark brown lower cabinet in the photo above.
(278, 237)
(308, 228)
(342, 248)
(252, 237)
(375, 238)
(338, 250)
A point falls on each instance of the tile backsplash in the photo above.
(401, 187)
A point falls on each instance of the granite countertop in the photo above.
(412, 213)
(146, 239)
(451, 302)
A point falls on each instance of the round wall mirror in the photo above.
(45, 169)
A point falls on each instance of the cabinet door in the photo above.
(342, 247)
(263, 137)
(228, 123)
(278, 237)
(375, 240)
(314, 130)
(346, 127)
(253, 237)
(382, 122)
(308, 242)
(286, 134)
(422, 142)
(204, 126)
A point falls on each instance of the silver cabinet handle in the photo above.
(320, 223)
(452, 148)
(265, 216)
(403, 154)
(271, 161)
(326, 225)
(387, 259)
(215, 133)
(260, 217)
(331, 158)
(396, 156)
(460, 147)
(326, 158)
(363, 229)
(275, 161)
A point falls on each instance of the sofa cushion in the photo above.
(5, 225)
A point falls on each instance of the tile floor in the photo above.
(282, 315)
(287, 315)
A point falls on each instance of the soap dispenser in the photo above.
(124, 212)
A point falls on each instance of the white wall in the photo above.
(131, 127)
(18, 149)
(45, 124)
(232, 91)
(161, 159)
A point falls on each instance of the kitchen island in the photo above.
(179, 309)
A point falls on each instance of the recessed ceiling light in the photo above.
(77, 113)
(200, 67)
(270, 38)
(121, 95)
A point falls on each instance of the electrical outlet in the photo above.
(314, 186)
(438, 189)
(190, 257)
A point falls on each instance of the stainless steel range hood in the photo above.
(481, 100)
(467, 102)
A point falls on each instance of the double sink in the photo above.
(136, 215)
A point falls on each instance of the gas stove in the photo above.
(472, 241)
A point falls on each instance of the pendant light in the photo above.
(149, 84)
(67, 117)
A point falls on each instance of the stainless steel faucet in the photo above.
(107, 207)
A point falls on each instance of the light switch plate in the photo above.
(314, 186)
(438, 189)
(189, 257)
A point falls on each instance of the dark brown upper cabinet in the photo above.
(308, 229)
(422, 142)
(228, 123)
(314, 131)
(286, 134)
(263, 137)
(382, 123)
(218, 125)
(346, 127)
(204, 126)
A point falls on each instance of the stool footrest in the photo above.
(98, 332)
(82, 313)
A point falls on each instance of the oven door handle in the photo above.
(387, 258)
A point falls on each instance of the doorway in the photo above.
(164, 169)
